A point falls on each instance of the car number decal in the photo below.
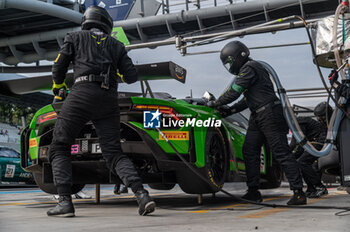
(74, 149)
(95, 148)
(10, 171)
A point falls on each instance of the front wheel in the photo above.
(214, 171)
(51, 188)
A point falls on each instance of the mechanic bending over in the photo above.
(266, 122)
(96, 58)
(316, 133)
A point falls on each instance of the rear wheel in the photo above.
(50, 188)
(215, 170)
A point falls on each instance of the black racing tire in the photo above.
(50, 188)
(273, 177)
(329, 164)
(161, 186)
(215, 169)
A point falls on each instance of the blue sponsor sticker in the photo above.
(151, 119)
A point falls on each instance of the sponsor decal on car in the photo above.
(32, 143)
(25, 175)
(10, 171)
(175, 135)
(153, 119)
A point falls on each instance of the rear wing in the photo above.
(146, 72)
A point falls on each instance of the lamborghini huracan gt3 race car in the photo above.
(216, 152)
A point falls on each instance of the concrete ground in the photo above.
(24, 209)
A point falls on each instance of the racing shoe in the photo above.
(64, 208)
(309, 191)
(253, 195)
(298, 198)
(320, 191)
(146, 204)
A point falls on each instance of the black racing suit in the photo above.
(91, 52)
(316, 133)
(266, 123)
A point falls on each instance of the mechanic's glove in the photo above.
(212, 104)
(226, 111)
(333, 78)
(56, 87)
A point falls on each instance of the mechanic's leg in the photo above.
(311, 177)
(251, 153)
(69, 123)
(108, 130)
(274, 127)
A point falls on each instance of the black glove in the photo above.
(226, 111)
(212, 104)
(333, 77)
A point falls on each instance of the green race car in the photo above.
(214, 150)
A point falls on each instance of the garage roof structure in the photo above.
(33, 30)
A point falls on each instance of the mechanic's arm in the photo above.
(236, 108)
(61, 64)
(239, 106)
(242, 83)
(127, 71)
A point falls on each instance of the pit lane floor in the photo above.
(24, 209)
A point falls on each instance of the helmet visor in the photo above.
(229, 64)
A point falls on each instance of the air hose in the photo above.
(236, 198)
(293, 123)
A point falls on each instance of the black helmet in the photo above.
(234, 55)
(320, 110)
(97, 17)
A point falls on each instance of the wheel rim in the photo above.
(216, 158)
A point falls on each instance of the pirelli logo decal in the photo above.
(175, 135)
(32, 143)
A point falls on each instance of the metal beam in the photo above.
(41, 51)
(39, 37)
(29, 58)
(184, 16)
(18, 55)
(43, 8)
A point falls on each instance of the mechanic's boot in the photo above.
(309, 191)
(124, 189)
(320, 191)
(253, 195)
(146, 204)
(116, 189)
(298, 198)
(64, 208)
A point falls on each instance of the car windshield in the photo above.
(8, 153)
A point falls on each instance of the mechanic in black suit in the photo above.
(266, 122)
(316, 133)
(96, 58)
